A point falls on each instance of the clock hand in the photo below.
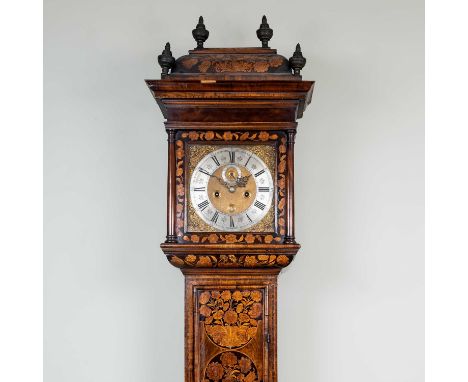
(231, 187)
(242, 181)
(221, 181)
(225, 184)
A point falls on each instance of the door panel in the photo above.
(230, 325)
(231, 334)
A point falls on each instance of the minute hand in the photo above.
(225, 184)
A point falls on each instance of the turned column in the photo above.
(290, 235)
(171, 236)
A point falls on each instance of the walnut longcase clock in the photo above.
(231, 124)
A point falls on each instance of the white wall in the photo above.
(351, 305)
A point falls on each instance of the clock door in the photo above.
(230, 325)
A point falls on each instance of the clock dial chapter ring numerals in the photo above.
(231, 189)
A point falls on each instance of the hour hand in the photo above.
(242, 181)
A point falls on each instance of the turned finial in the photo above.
(200, 33)
(297, 61)
(166, 60)
(264, 33)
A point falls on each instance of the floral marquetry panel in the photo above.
(240, 63)
(231, 261)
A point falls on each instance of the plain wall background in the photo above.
(351, 305)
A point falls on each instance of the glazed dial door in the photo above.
(231, 189)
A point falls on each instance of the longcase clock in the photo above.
(231, 124)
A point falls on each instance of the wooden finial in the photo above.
(264, 33)
(166, 60)
(200, 33)
(297, 61)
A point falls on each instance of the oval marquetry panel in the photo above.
(231, 318)
(231, 366)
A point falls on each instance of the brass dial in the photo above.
(231, 189)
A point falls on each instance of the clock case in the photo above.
(230, 96)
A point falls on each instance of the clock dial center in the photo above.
(234, 197)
